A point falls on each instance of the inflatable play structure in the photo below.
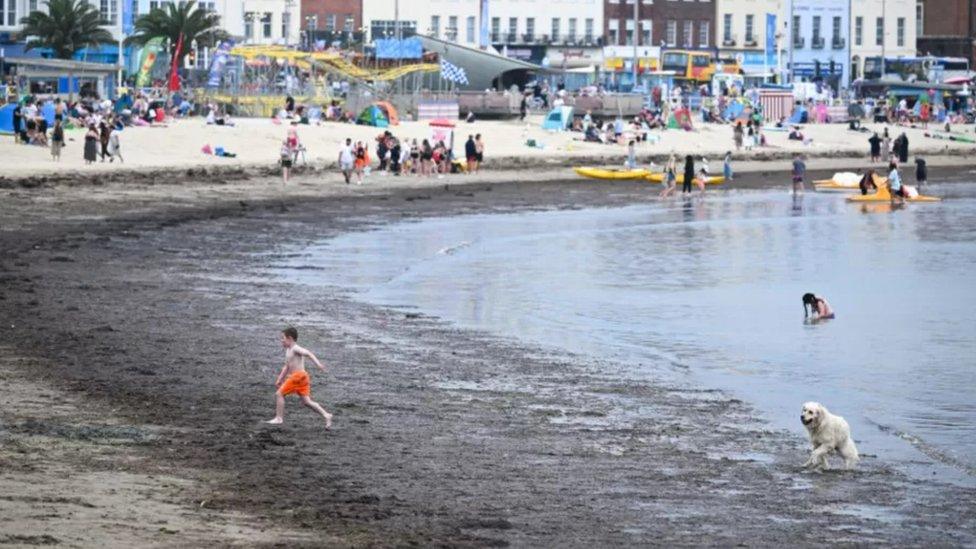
(884, 195)
(558, 119)
(373, 116)
(846, 182)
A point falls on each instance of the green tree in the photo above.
(175, 19)
(67, 27)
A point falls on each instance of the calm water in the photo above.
(708, 292)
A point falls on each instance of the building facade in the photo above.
(331, 19)
(946, 28)
(881, 27)
(685, 24)
(568, 31)
(743, 27)
(817, 33)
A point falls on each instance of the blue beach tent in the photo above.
(799, 115)
(7, 118)
(558, 119)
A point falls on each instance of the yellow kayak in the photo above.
(659, 178)
(611, 173)
(884, 195)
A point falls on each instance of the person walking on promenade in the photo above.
(91, 145)
(57, 140)
(294, 379)
(875, 142)
(799, 172)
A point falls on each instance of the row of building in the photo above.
(806, 38)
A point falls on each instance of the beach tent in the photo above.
(558, 119)
(389, 111)
(7, 118)
(799, 115)
(373, 116)
(733, 110)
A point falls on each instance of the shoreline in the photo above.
(438, 442)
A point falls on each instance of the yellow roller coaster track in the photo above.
(305, 60)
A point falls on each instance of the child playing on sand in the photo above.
(294, 379)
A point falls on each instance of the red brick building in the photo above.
(325, 18)
(672, 24)
(946, 28)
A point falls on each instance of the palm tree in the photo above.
(67, 27)
(175, 19)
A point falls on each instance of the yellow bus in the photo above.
(698, 66)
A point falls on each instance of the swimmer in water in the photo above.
(819, 308)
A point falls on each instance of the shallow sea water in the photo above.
(708, 292)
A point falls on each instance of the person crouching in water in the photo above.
(867, 183)
(819, 309)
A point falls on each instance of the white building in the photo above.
(742, 33)
(11, 12)
(881, 25)
(526, 25)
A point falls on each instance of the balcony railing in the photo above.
(817, 43)
(729, 40)
(838, 43)
(750, 42)
(799, 42)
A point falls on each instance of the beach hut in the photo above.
(390, 111)
(7, 118)
(442, 129)
(558, 119)
(373, 116)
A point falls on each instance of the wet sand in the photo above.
(142, 313)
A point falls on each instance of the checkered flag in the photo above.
(453, 73)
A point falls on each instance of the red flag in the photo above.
(174, 77)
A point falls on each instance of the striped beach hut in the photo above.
(776, 104)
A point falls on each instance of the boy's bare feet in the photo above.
(275, 421)
(328, 421)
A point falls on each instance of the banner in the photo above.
(220, 58)
(146, 62)
(128, 25)
(391, 48)
(770, 35)
(174, 75)
(484, 38)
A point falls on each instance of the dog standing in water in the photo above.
(828, 434)
(294, 379)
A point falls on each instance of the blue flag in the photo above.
(770, 37)
(220, 58)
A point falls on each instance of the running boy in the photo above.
(294, 379)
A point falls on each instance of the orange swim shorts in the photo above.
(297, 382)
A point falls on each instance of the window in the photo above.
(108, 9)
(704, 28)
(671, 36)
(154, 5)
(858, 31)
(727, 28)
(879, 32)
(920, 18)
(816, 41)
(469, 30)
(11, 12)
(750, 28)
(496, 29)
(613, 29)
(248, 25)
(512, 28)
(452, 28)
(901, 32)
(435, 26)
(529, 29)
(554, 35)
(350, 24)
(32, 6)
(330, 22)
(312, 22)
(629, 34)
(686, 33)
(571, 35)
(588, 36)
(836, 33)
(646, 27)
(266, 25)
(797, 37)
(285, 21)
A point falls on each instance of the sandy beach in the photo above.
(142, 306)
(256, 143)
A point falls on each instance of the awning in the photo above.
(481, 66)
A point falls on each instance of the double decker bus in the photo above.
(917, 69)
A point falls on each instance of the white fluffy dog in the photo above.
(828, 433)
